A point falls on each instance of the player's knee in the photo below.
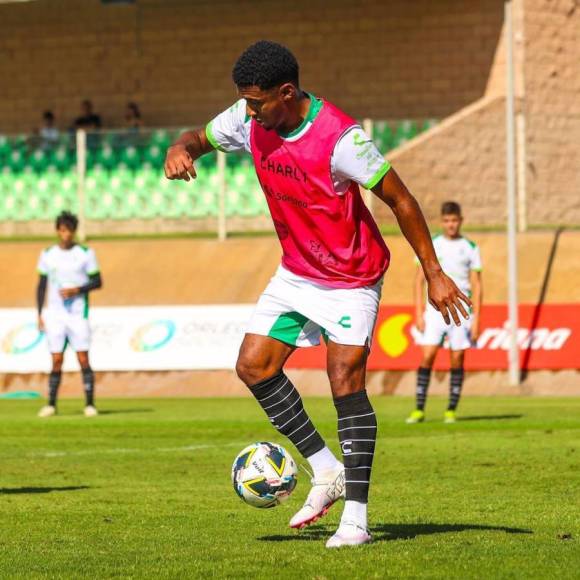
(344, 379)
(57, 364)
(251, 371)
(428, 360)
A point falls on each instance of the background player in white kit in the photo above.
(69, 272)
(461, 261)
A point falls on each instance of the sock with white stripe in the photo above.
(423, 379)
(455, 387)
(53, 385)
(283, 405)
(89, 384)
(357, 433)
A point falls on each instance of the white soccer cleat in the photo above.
(325, 491)
(349, 534)
(91, 411)
(47, 411)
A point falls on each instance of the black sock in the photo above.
(423, 379)
(53, 384)
(357, 433)
(283, 405)
(89, 384)
(455, 386)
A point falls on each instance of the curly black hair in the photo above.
(67, 219)
(265, 65)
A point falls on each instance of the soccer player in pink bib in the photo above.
(311, 158)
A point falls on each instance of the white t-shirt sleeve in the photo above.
(475, 259)
(92, 266)
(230, 130)
(356, 158)
(42, 265)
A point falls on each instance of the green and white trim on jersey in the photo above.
(355, 157)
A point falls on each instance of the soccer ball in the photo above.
(264, 474)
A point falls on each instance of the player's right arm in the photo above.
(419, 299)
(42, 268)
(180, 156)
(229, 131)
(40, 297)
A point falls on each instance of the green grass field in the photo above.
(144, 491)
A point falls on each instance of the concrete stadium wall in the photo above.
(464, 157)
(552, 109)
(376, 58)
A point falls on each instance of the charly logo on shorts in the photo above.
(22, 339)
(345, 322)
(153, 335)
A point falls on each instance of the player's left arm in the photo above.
(94, 274)
(476, 299)
(95, 282)
(442, 292)
(476, 290)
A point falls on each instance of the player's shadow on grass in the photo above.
(390, 532)
(123, 411)
(16, 490)
(488, 417)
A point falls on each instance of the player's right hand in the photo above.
(179, 164)
(40, 324)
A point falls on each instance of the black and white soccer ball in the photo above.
(264, 474)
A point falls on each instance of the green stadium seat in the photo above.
(5, 147)
(129, 157)
(20, 142)
(16, 160)
(161, 137)
(382, 136)
(63, 158)
(428, 124)
(154, 156)
(404, 132)
(105, 157)
(39, 159)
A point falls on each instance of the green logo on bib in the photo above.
(345, 322)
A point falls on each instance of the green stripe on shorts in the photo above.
(288, 327)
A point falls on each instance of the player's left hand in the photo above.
(446, 297)
(68, 292)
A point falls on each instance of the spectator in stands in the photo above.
(49, 133)
(133, 119)
(88, 120)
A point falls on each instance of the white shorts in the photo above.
(436, 330)
(298, 311)
(65, 328)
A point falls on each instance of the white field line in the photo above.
(125, 450)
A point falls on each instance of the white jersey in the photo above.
(458, 257)
(67, 269)
(230, 131)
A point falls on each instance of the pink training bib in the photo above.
(328, 238)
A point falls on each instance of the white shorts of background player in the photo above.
(436, 331)
(64, 327)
